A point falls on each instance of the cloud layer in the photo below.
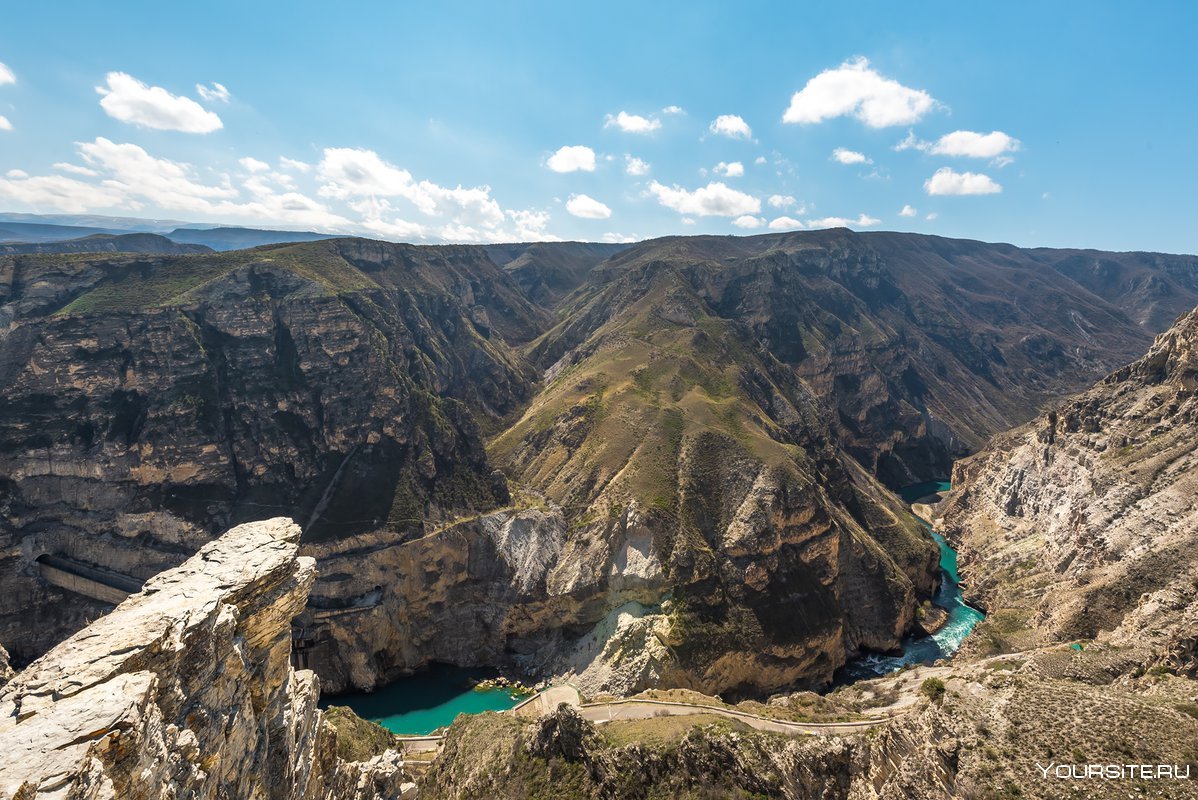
(948, 182)
(716, 199)
(127, 99)
(632, 123)
(732, 126)
(854, 89)
(572, 158)
(581, 205)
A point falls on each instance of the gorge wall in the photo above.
(1083, 523)
(671, 449)
(185, 690)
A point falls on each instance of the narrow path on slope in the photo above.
(616, 710)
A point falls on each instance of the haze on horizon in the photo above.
(1064, 126)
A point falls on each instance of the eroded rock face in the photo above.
(149, 403)
(186, 690)
(697, 440)
(1084, 523)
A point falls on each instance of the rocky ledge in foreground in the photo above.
(185, 690)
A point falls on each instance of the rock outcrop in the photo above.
(148, 403)
(186, 690)
(1084, 523)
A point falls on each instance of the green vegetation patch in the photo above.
(167, 281)
(357, 739)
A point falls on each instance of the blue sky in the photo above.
(1058, 124)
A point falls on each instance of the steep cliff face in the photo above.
(920, 347)
(678, 429)
(185, 690)
(1084, 523)
(150, 402)
(694, 467)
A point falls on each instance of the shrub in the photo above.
(933, 689)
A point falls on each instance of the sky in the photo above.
(1068, 124)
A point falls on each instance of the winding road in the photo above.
(548, 700)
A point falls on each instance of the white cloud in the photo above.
(17, 173)
(291, 163)
(529, 225)
(215, 93)
(748, 222)
(972, 144)
(581, 205)
(165, 183)
(75, 168)
(785, 224)
(946, 181)
(713, 200)
(395, 228)
(781, 200)
(632, 123)
(6, 75)
(731, 126)
(252, 164)
(366, 181)
(59, 193)
(5, 125)
(126, 176)
(673, 110)
(734, 169)
(908, 211)
(617, 238)
(759, 160)
(635, 166)
(347, 172)
(687, 221)
(572, 158)
(844, 156)
(862, 221)
(932, 215)
(854, 89)
(129, 100)
(912, 142)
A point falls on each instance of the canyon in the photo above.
(666, 466)
(614, 463)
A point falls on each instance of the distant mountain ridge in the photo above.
(34, 229)
(107, 243)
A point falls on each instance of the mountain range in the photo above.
(661, 466)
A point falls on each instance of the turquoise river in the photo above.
(961, 617)
(433, 698)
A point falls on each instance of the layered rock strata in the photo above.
(1084, 523)
(186, 690)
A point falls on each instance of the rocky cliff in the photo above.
(920, 347)
(704, 494)
(1084, 523)
(149, 402)
(185, 690)
(691, 430)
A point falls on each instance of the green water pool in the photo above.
(428, 700)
